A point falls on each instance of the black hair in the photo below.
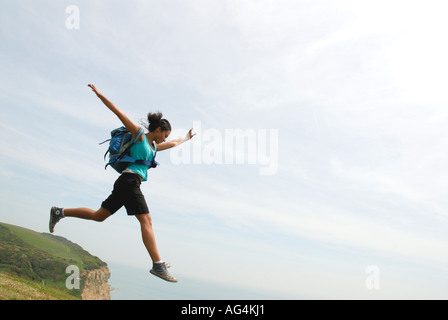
(155, 120)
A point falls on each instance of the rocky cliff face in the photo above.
(96, 286)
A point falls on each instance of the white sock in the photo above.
(160, 261)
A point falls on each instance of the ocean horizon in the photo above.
(132, 283)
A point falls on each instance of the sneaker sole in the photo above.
(51, 220)
(162, 277)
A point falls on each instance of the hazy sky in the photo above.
(344, 101)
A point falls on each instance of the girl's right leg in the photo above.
(113, 202)
(57, 214)
(89, 214)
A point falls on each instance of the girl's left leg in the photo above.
(148, 236)
(159, 268)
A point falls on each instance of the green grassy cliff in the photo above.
(36, 263)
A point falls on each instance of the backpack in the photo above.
(120, 150)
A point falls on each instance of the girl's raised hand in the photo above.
(190, 134)
(94, 89)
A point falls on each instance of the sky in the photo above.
(319, 169)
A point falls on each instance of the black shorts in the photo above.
(127, 193)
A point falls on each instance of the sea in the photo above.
(131, 283)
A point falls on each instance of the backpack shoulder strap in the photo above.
(138, 136)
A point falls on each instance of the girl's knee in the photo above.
(145, 219)
(101, 215)
(99, 218)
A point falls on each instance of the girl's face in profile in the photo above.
(161, 136)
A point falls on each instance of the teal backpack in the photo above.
(120, 150)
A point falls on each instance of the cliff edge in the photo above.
(96, 285)
(37, 263)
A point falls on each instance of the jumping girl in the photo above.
(126, 191)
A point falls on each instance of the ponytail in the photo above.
(155, 120)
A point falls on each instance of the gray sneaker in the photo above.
(160, 270)
(55, 215)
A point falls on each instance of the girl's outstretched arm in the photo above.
(174, 143)
(132, 127)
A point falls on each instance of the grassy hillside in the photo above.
(40, 259)
(17, 288)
